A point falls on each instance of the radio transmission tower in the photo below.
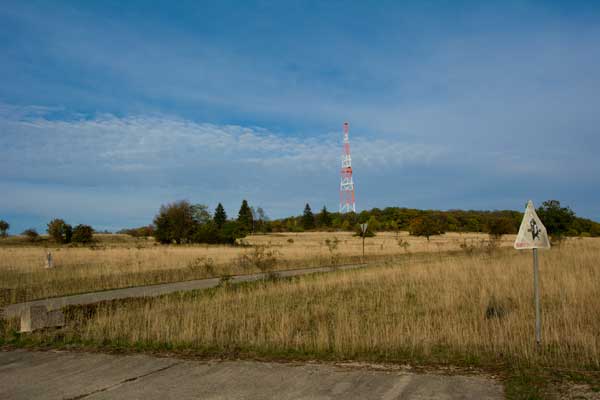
(346, 184)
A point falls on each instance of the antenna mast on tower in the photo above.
(346, 184)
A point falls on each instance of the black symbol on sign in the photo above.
(535, 230)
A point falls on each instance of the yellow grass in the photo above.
(434, 310)
(117, 261)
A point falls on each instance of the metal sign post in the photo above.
(536, 292)
(363, 229)
(532, 235)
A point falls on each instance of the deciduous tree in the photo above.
(60, 231)
(426, 225)
(175, 223)
(83, 234)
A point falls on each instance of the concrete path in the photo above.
(66, 375)
(15, 310)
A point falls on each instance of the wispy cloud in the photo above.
(153, 143)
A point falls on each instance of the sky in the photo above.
(109, 109)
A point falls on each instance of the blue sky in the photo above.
(108, 110)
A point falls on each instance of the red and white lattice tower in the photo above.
(346, 184)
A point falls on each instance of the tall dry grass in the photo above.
(476, 307)
(117, 261)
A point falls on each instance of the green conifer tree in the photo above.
(308, 219)
(220, 216)
(245, 218)
(324, 218)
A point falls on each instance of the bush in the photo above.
(4, 228)
(83, 234)
(261, 258)
(31, 234)
(60, 231)
(230, 232)
(207, 233)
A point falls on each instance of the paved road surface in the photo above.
(15, 310)
(66, 375)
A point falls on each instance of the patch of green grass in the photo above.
(525, 384)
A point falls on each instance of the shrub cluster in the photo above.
(61, 232)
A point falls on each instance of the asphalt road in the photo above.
(74, 375)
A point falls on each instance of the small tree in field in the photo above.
(60, 231)
(31, 234)
(426, 225)
(83, 234)
(4, 228)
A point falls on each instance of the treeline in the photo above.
(182, 222)
(559, 220)
(395, 219)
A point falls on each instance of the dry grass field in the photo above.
(116, 261)
(459, 309)
(472, 307)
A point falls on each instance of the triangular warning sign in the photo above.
(532, 233)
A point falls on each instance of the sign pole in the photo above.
(536, 291)
(363, 237)
(363, 230)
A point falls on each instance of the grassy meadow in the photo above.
(460, 307)
(116, 261)
(469, 306)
